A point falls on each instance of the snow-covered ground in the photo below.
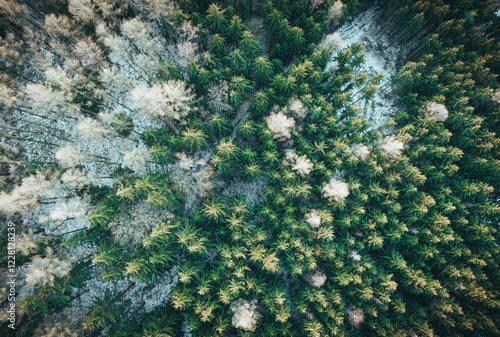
(383, 56)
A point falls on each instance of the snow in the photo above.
(382, 57)
(186, 331)
(154, 293)
(192, 177)
(101, 151)
(257, 27)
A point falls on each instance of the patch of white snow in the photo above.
(382, 57)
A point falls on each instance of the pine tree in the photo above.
(236, 28)
(193, 138)
(262, 70)
(249, 44)
(215, 16)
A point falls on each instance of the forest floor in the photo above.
(386, 51)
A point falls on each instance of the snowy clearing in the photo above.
(383, 56)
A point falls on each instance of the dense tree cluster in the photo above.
(194, 167)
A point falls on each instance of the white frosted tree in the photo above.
(333, 41)
(140, 34)
(245, 314)
(297, 107)
(182, 52)
(7, 96)
(185, 162)
(187, 46)
(44, 270)
(136, 159)
(335, 190)
(161, 10)
(312, 218)
(75, 208)
(391, 147)
(57, 76)
(58, 329)
(303, 166)
(122, 123)
(354, 316)
(188, 31)
(26, 195)
(117, 83)
(437, 111)
(89, 53)
(131, 227)
(315, 4)
(82, 10)
(280, 125)
(26, 244)
(45, 98)
(496, 96)
(361, 151)
(354, 255)
(91, 129)
(137, 55)
(58, 25)
(290, 157)
(316, 278)
(334, 14)
(166, 100)
(43, 93)
(69, 155)
(300, 164)
(218, 97)
(74, 178)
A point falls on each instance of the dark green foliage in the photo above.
(215, 16)
(220, 124)
(169, 72)
(236, 28)
(260, 103)
(193, 138)
(246, 130)
(411, 249)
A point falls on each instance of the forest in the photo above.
(267, 168)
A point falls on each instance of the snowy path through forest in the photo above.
(382, 57)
